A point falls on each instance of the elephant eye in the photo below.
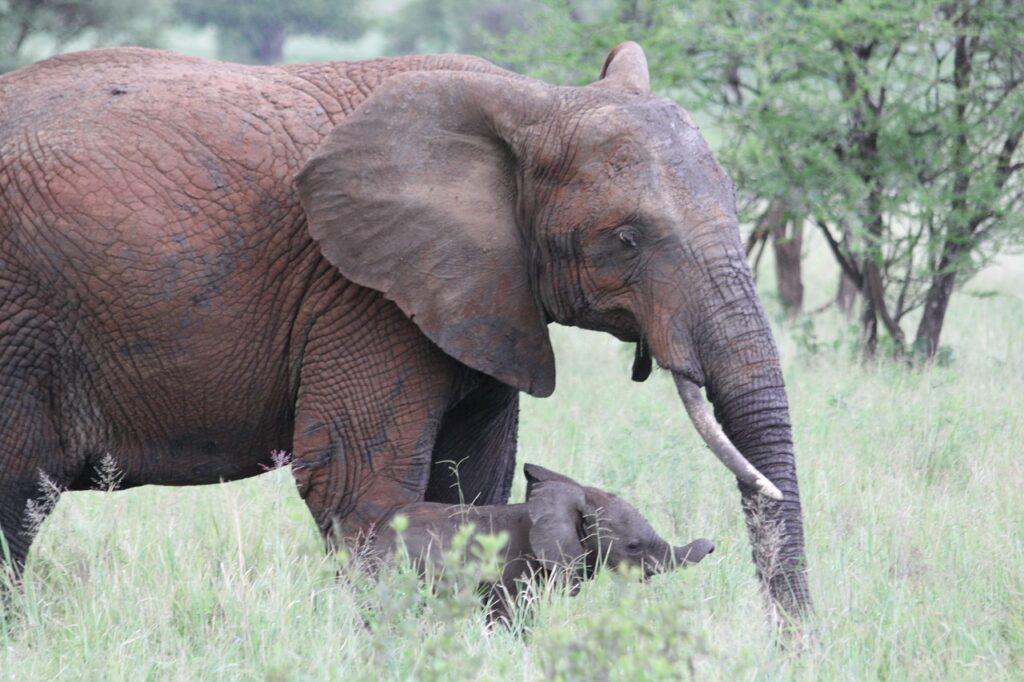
(633, 546)
(628, 236)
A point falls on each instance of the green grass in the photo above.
(910, 481)
(915, 532)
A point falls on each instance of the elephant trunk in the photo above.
(669, 557)
(693, 553)
(719, 443)
(751, 429)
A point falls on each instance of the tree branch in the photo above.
(845, 262)
(875, 291)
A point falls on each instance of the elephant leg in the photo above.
(32, 459)
(26, 500)
(474, 458)
(370, 403)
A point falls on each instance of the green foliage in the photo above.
(255, 31)
(809, 343)
(893, 127)
(32, 29)
(566, 41)
(632, 637)
(444, 602)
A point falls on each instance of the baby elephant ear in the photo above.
(415, 194)
(537, 474)
(556, 514)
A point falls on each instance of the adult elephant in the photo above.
(357, 261)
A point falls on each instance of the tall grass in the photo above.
(911, 485)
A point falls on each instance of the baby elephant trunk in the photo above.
(693, 553)
(679, 557)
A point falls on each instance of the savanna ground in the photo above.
(915, 533)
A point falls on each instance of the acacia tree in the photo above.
(977, 194)
(893, 127)
(934, 117)
(255, 30)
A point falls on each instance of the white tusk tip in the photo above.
(768, 489)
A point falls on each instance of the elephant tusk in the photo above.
(710, 430)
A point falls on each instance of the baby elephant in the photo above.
(563, 529)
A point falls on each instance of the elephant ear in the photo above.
(625, 69)
(415, 195)
(536, 474)
(556, 515)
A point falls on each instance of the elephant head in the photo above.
(486, 206)
(570, 521)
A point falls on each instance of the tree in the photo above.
(934, 117)
(785, 232)
(893, 127)
(255, 30)
(51, 25)
(977, 192)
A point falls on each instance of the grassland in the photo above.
(911, 484)
(912, 488)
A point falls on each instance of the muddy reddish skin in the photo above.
(202, 263)
(163, 301)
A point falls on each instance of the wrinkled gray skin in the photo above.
(357, 262)
(563, 529)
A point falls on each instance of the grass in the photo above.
(911, 487)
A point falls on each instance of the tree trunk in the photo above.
(868, 327)
(787, 265)
(846, 296)
(787, 246)
(269, 45)
(926, 343)
(875, 310)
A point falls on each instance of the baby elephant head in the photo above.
(570, 521)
